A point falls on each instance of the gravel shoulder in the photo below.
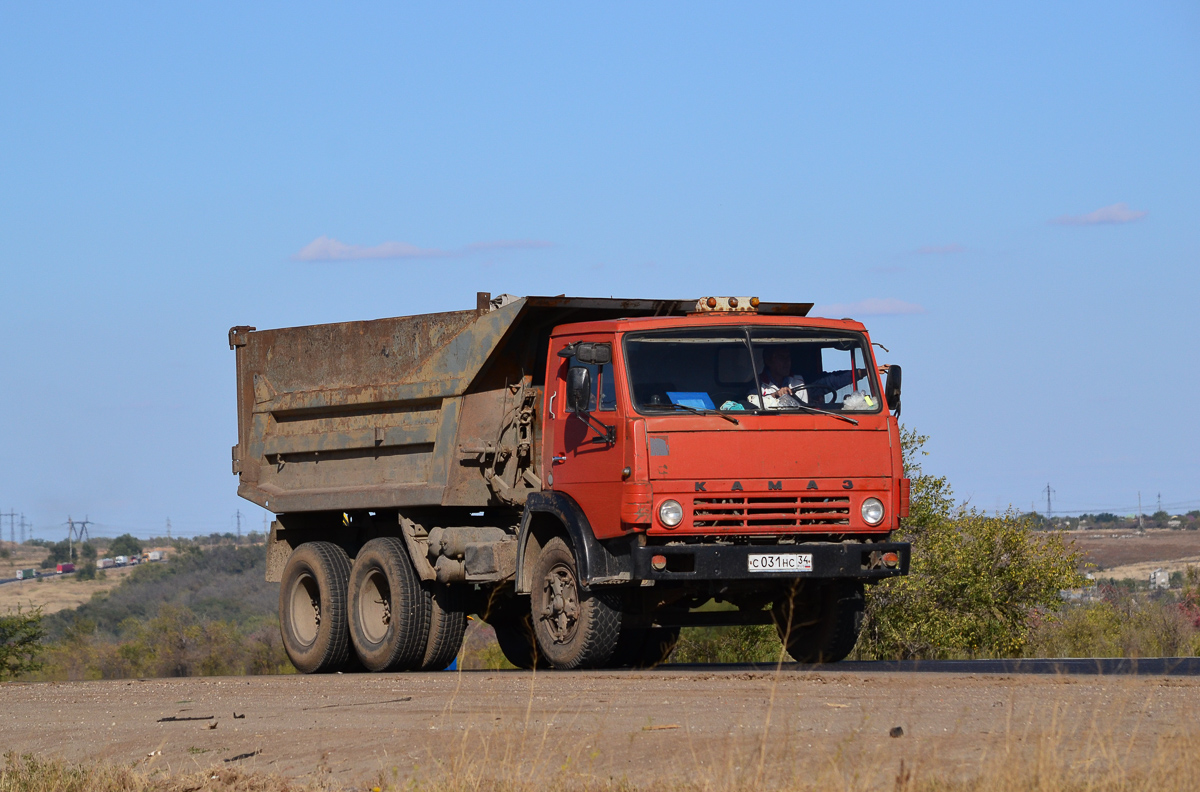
(662, 724)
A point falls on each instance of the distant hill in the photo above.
(221, 583)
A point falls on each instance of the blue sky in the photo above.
(1007, 196)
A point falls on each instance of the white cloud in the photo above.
(325, 248)
(872, 306)
(940, 250)
(1109, 215)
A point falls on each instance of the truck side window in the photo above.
(607, 388)
(604, 387)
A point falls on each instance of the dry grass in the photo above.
(1068, 751)
(19, 556)
(1107, 766)
(1042, 767)
(31, 774)
(57, 593)
(1106, 551)
(1120, 745)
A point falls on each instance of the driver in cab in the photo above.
(779, 385)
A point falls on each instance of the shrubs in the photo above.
(175, 643)
(753, 643)
(201, 613)
(20, 643)
(124, 545)
(976, 583)
(1120, 624)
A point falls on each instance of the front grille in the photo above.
(770, 512)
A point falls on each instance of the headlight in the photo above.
(872, 511)
(670, 513)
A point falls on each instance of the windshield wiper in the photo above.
(673, 406)
(802, 406)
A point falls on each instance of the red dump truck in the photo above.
(584, 474)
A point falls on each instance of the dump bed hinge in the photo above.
(237, 335)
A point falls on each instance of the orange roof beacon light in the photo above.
(727, 305)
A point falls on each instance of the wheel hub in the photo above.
(560, 604)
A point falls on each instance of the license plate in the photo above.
(780, 562)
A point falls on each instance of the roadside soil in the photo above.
(666, 726)
(1109, 549)
(1142, 571)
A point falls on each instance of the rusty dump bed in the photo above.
(430, 410)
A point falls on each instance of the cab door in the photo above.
(584, 463)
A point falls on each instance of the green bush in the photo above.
(125, 545)
(174, 643)
(977, 583)
(1119, 625)
(20, 643)
(744, 644)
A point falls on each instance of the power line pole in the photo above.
(1159, 503)
(239, 524)
(23, 524)
(168, 530)
(12, 530)
(1141, 522)
(1049, 511)
(76, 530)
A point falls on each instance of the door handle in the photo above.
(552, 395)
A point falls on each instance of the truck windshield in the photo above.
(768, 369)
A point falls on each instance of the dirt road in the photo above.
(676, 724)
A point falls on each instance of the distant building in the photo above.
(1160, 579)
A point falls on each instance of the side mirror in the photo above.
(588, 352)
(891, 390)
(579, 389)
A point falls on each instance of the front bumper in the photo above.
(849, 560)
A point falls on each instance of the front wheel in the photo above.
(821, 625)
(575, 628)
(312, 608)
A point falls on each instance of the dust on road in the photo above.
(665, 724)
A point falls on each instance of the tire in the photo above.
(644, 647)
(447, 626)
(820, 626)
(574, 627)
(389, 609)
(313, 608)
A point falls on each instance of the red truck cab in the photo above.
(746, 457)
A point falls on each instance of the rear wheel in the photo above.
(313, 608)
(820, 625)
(575, 628)
(389, 610)
(447, 626)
